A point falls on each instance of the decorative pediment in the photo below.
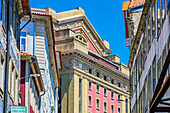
(81, 38)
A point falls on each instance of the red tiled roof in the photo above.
(125, 5)
(136, 2)
(25, 53)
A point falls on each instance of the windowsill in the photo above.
(105, 95)
(98, 92)
(97, 109)
(90, 106)
(90, 89)
(112, 98)
(105, 111)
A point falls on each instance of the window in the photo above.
(112, 95)
(97, 89)
(105, 92)
(98, 75)
(23, 40)
(112, 109)
(90, 101)
(118, 84)
(118, 110)
(105, 78)
(90, 85)
(105, 107)
(90, 70)
(112, 81)
(97, 104)
(119, 98)
(80, 83)
(126, 105)
(23, 34)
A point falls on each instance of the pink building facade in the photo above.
(110, 101)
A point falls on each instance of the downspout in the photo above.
(29, 83)
(40, 101)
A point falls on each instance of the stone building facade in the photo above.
(90, 81)
(10, 60)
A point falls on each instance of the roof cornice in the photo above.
(92, 60)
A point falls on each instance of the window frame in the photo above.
(111, 108)
(118, 110)
(119, 99)
(98, 104)
(98, 92)
(105, 94)
(90, 86)
(104, 110)
(90, 102)
(22, 37)
(112, 97)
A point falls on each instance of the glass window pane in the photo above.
(23, 34)
(23, 44)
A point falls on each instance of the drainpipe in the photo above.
(40, 102)
(29, 83)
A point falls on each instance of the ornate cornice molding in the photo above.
(89, 59)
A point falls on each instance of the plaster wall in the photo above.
(103, 99)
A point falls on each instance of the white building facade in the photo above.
(149, 59)
(39, 42)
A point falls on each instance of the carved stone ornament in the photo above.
(102, 74)
(94, 71)
(68, 64)
(109, 78)
(85, 67)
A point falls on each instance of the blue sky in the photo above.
(106, 17)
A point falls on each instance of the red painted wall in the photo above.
(22, 83)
